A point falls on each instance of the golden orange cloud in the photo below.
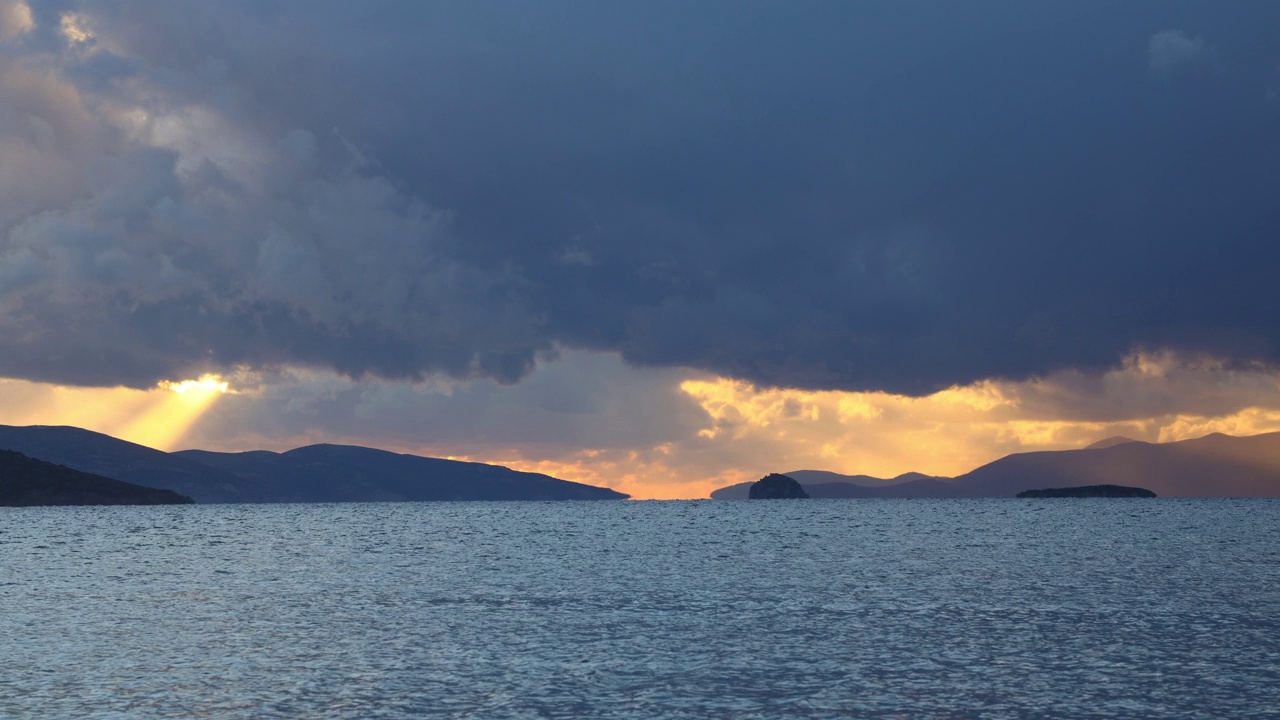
(748, 431)
(751, 431)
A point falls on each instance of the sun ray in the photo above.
(177, 406)
(158, 418)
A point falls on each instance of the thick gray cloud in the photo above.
(580, 401)
(898, 196)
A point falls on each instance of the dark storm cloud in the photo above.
(897, 196)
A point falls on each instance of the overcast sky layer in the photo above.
(398, 197)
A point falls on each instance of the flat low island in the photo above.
(1089, 491)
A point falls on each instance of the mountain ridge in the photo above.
(1215, 465)
(328, 472)
(28, 482)
(1112, 441)
(829, 485)
(314, 473)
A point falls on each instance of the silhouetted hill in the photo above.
(1212, 466)
(815, 477)
(319, 473)
(347, 473)
(26, 481)
(1112, 441)
(111, 457)
(829, 485)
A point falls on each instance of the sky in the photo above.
(658, 246)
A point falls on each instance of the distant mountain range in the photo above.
(824, 484)
(317, 473)
(1212, 466)
(26, 482)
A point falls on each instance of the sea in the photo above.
(1164, 608)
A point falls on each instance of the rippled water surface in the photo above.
(811, 609)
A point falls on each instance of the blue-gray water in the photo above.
(911, 609)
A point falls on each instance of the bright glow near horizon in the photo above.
(176, 407)
(747, 431)
(157, 418)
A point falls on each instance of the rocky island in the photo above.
(1089, 491)
(776, 487)
(26, 482)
